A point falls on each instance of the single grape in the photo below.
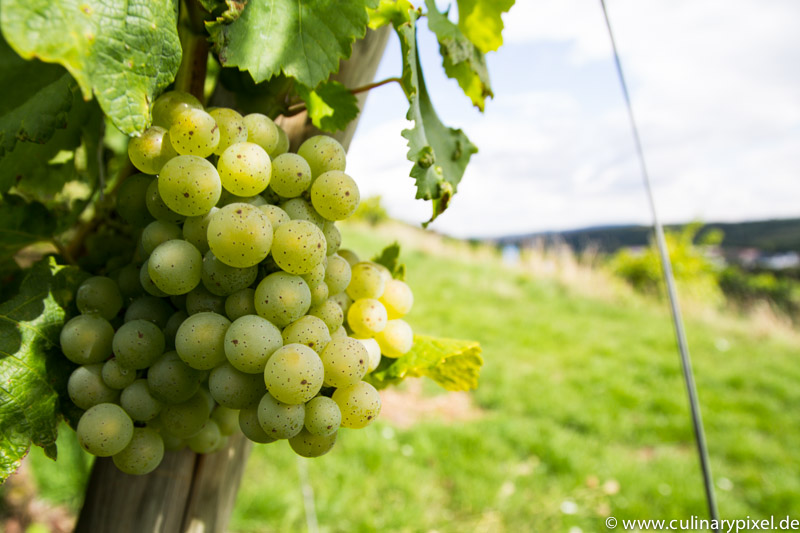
(244, 169)
(138, 344)
(337, 274)
(104, 430)
(396, 338)
(322, 153)
(315, 276)
(306, 444)
(291, 175)
(299, 209)
(280, 420)
(232, 128)
(206, 440)
(323, 416)
(227, 419)
(366, 317)
(366, 281)
(171, 329)
(189, 185)
(240, 235)
(283, 144)
(374, 351)
(333, 238)
(335, 195)
(240, 303)
(235, 389)
(200, 341)
(330, 313)
(151, 150)
(200, 300)
(397, 298)
(175, 267)
(294, 374)
(150, 308)
(194, 132)
(282, 298)
(275, 214)
(186, 419)
(87, 339)
(139, 403)
(299, 246)
(345, 361)
(158, 232)
(86, 387)
(342, 300)
(360, 404)
(195, 230)
(128, 282)
(143, 454)
(349, 256)
(158, 208)
(251, 427)
(170, 380)
(169, 105)
(228, 197)
(249, 343)
(262, 131)
(308, 330)
(116, 376)
(339, 333)
(147, 282)
(222, 279)
(319, 294)
(132, 200)
(100, 295)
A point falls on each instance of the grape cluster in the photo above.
(239, 311)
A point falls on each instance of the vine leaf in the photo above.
(393, 12)
(23, 223)
(123, 51)
(454, 364)
(33, 372)
(390, 258)
(331, 106)
(306, 39)
(461, 59)
(480, 22)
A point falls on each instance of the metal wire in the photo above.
(669, 279)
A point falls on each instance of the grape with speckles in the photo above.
(282, 298)
(151, 150)
(195, 230)
(366, 317)
(319, 294)
(104, 430)
(366, 281)
(345, 361)
(207, 439)
(308, 330)
(186, 419)
(275, 214)
(306, 444)
(323, 416)
(86, 387)
(280, 420)
(170, 104)
(251, 427)
(170, 380)
(330, 313)
(262, 131)
(245, 169)
(299, 209)
(232, 128)
(240, 303)
(138, 401)
(298, 247)
(200, 341)
(396, 338)
(194, 132)
(116, 376)
(360, 404)
(222, 279)
(294, 374)
(142, 454)
(374, 351)
(88, 338)
(158, 232)
(100, 295)
(291, 175)
(189, 185)
(333, 238)
(250, 341)
(175, 266)
(397, 298)
(337, 274)
(240, 235)
(158, 208)
(138, 344)
(233, 388)
(200, 300)
(322, 153)
(335, 195)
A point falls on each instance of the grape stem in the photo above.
(301, 106)
(191, 75)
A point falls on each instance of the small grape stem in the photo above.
(301, 106)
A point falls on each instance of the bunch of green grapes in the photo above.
(239, 310)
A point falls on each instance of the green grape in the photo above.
(194, 132)
(87, 339)
(345, 361)
(115, 376)
(294, 374)
(366, 281)
(138, 344)
(366, 317)
(387, 275)
(299, 209)
(207, 440)
(170, 380)
(186, 419)
(227, 419)
(128, 282)
(171, 442)
(234, 389)
(299, 246)
(200, 300)
(240, 303)
(178, 301)
(195, 230)
(283, 144)
(100, 295)
(337, 275)
(200, 341)
(395, 339)
(131, 200)
(341, 332)
(308, 330)
(86, 387)
(158, 208)
(143, 454)
(291, 175)
(147, 282)
(330, 313)
(374, 351)
(282, 298)
(333, 238)
(360, 404)
(158, 232)
(171, 329)
(322, 153)
(139, 403)
(397, 298)
(319, 294)
(323, 416)
(349, 256)
(262, 131)
(228, 198)
(240, 235)
(249, 343)
(189, 185)
(175, 267)
(315, 276)
(280, 420)
(275, 214)
(335, 195)
(306, 444)
(343, 301)
(222, 280)
(251, 427)
(104, 430)
(244, 169)
(151, 150)
(169, 105)
(150, 308)
(232, 128)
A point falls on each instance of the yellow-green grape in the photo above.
(298, 247)
(151, 150)
(396, 338)
(143, 454)
(234, 389)
(194, 132)
(283, 144)
(222, 279)
(335, 195)
(282, 298)
(294, 374)
(244, 169)
(157, 207)
(250, 341)
(226, 419)
(350, 256)
(189, 185)
(158, 232)
(240, 235)
(262, 131)
(315, 276)
(150, 308)
(299, 209)
(333, 238)
(138, 344)
(232, 128)
(200, 341)
(206, 440)
(387, 275)
(186, 419)
(366, 281)
(171, 442)
(86, 387)
(319, 294)
(116, 376)
(104, 430)
(342, 300)
(100, 295)
(308, 330)
(175, 266)
(360, 404)
(169, 105)
(337, 275)
(275, 214)
(374, 351)
(291, 175)
(131, 200)
(306, 444)
(170, 380)
(345, 360)
(147, 282)
(323, 416)
(280, 420)
(139, 403)
(240, 303)
(251, 427)
(366, 317)
(195, 230)
(322, 153)
(339, 333)
(230, 198)
(171, 329)
(397, 298)
(199, 300)
(330, 313)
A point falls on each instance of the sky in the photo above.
(716, 95)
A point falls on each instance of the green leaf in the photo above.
(453, 364)
(462, 60)
(304, 40)
(125, 52)
(389, 257)
(331, 105)
(32, 369)
(22, 224)
(480, 21)
(394, 12)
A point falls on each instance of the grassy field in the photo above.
(580, 414)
